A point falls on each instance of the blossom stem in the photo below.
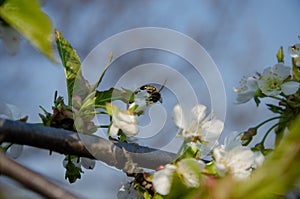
(268, 132)
(100, 106)
(266, 121)
(277, 98)
(179, 151)
(102, 126)
(99, 112)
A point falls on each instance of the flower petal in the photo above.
(232, 140)
(130, 129)
(258, 159)
(199, 112)
(282, 71)
(179, 117)
(247, 90)
(15, 150)
(88, 163)
(290, 88)
(127, 117)
(190, 169)
(113, 130)
(162, 179)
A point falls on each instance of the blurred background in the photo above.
(242, 37)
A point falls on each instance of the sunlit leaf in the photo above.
(72, 66)
(28, 19)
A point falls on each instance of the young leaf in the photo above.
(28, 19)
(72, 65)
(103, 73)
(103, 97)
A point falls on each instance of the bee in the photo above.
(154, 93)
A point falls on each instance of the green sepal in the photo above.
(280, 55)
(189, 151)
(210, 168)
(295, 69)
(274, 108)
(258, 95)
(178, 188)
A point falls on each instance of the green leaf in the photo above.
(280, 55)
(72, 65)
(107, 96)
(28, 19)
(103, 73)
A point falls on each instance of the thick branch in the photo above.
(124, 156)
(31, 180)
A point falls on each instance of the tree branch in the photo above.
(124, 156)
(31, 180)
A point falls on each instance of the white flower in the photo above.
(162, 179)
(190, 170)
(15, 150)
(10, 37)
(124, 120)
(248, 88)
(140, 101)
(294, 50)
(9, 111)
(87, 163)
(196, 125)
(271, 81)
(236, 159)
(259, 159)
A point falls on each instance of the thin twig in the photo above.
(31, 180)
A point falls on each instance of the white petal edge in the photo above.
(290, 88)
(88, 163)
(179, 117)
(199, 112)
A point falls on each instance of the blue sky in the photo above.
(242, 37)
